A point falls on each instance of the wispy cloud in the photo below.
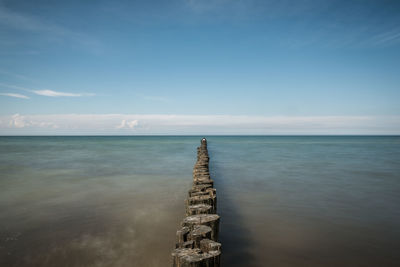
(386, 38)
(196, 124)
(352, 24)
(25, 22)
(46, 92)
(11, 86)
(15, 95)
(29, 23)
(15, 75)
(52, 93)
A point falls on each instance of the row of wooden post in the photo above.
(197, 241)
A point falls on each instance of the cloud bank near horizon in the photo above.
(131, 124)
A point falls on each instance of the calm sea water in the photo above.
(118, 201)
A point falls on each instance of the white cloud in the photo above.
(76, 124)
(46, 92)
(19, 121)
(52, 93)
(15, 95)
(128, 124)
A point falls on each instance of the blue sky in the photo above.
(200, 66)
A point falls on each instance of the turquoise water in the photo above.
(117, 201)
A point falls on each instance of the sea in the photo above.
(118, 200)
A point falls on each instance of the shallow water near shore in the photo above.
(118, 201)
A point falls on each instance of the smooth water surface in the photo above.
(117, 201)
(308, 201)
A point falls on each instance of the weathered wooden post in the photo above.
(197, 241)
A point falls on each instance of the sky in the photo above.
(199, 67)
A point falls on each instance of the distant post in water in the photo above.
(197, 241)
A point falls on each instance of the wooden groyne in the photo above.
(197, 241)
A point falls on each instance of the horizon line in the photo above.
(201, 135)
